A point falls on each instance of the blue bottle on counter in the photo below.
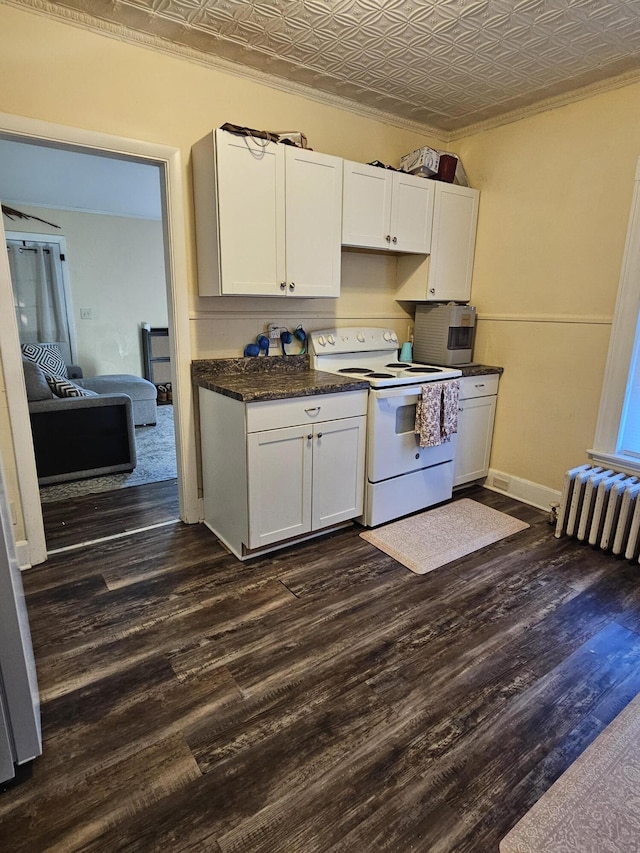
(406, 352)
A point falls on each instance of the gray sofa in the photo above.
(143, 393)
(84, 427)
(81, 437)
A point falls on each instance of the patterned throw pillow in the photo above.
(62, 387)
(35, 382)
(46, 356)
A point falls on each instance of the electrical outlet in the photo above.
(86, 314)
(274, 335)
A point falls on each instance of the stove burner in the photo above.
(396, 364)
(424, 370)
(366, 370)
(380, 376)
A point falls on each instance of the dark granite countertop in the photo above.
(278, 377)
(479, 369)
(268, 378)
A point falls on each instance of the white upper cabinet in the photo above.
(313, 222)
(251, 215)
(411, 213)
(455, 220)
(366, 206)
(446, 274)
(268, 218)
(382, 209)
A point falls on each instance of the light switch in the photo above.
(86, 314)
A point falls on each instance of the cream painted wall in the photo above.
(116, 268)
(60, 73)
(556, 191)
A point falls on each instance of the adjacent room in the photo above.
(319, 376)
(85, 243)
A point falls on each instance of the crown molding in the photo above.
(121, 32)
(542, 106)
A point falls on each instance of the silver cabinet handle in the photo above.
(314, 409)
(432, 290)
(479, 384)
(395, 239)
(319, 435)
(388, 238)
(292, 286)
(283, 285)
(310, 436)
(460, 409)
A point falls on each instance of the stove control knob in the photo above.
(322, 341)
(331, 339)
(387, 336)
(360, 337)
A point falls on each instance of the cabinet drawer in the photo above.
(479, 386)
(275, 414)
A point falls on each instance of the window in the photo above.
(41, 292)
(628, 444)
(617, 439)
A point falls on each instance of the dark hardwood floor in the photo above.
(322, 700)
(90, 517)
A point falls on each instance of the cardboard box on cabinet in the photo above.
(424, 161)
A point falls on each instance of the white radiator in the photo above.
(601, 507)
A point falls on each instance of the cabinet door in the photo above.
(251, 214)
(366, 206)
(279, 474)
(475, 431)
(455, 218)
(411, 213)
(313, 222)
(338, 471)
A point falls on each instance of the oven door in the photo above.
(393, 448)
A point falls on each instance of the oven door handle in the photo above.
(403, 391)
(406, 390)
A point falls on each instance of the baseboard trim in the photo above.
(23, 554)
(530, 493)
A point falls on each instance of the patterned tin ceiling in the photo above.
(444, 64)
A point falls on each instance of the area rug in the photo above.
(431, 539)
(594, 806)
(156, 452)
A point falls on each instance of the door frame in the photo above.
(169, 160)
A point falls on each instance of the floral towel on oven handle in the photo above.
(437, 412)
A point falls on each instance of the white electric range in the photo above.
(401, 476)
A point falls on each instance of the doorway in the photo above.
(109, 214)
(168, 162)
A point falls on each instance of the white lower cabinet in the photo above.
(277, 470)
(302, 479)
(476, 415)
